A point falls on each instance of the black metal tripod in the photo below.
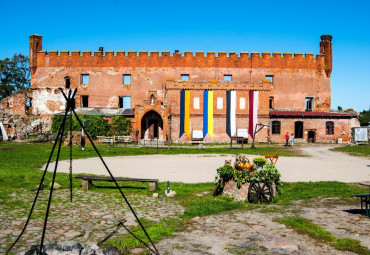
(70, 107)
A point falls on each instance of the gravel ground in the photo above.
(321, 165)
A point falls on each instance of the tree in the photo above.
(340, 108)
(364, 117)
(14, 75)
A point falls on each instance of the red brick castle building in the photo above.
(205, 96)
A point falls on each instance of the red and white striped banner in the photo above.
(253, 107)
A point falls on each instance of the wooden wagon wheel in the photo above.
(260, 192)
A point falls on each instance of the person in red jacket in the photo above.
(286, 138)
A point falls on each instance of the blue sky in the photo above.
(251, 26)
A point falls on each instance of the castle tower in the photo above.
(326, 50)
(35, 46)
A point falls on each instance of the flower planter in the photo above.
(239, 194)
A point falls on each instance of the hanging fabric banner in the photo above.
(253, 107)
(231, 112)
(210, 113)
(187, 113)
(182, 112)
(207, 113)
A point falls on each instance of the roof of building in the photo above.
(105, 111)
(313, 114)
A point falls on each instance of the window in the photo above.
(28, 102)
(270, 78)
(84, 78)
(220, 103)
(242, 103)
(184, 77)
(227, 77)
(196, 103)
(84, 101)
(127, 79)
(125, 102)
(330, 128)
(309, 103)
(275, 127)
(67, 82)
(271, 102)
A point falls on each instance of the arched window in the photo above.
(329, 128)
(275, 127)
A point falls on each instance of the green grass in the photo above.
(306, 227)
(20, 161)
(309, 190)
(355, 150)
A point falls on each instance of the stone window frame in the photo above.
(126, 79)
(309, 103)
(82, 101)
(185, 77)
(329, 128)
(121, 102)
(276, 127)
(228, 77)
(87, 76)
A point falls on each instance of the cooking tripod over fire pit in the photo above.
(70, 107)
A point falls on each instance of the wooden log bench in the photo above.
(87, 181)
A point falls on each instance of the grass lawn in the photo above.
(355, 150)
(20, 161)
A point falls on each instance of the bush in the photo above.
(94, 125)
(120, 126)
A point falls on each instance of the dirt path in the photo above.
(321, 165)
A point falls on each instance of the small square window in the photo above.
(125, 102)
(85, 79)
(184, 77)
(270, 78)
(220, 103)
(127, 79)
(84, 101)
(309, 103)
(227, 77)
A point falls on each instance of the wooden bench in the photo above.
(87, 181)
(365, 199)
(272, 158)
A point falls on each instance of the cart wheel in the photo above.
(260, 192)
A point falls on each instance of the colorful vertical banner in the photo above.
(207, 113)
(187, 113)
(253, 107)
(210, 113)
(231, 112)
(184, 112)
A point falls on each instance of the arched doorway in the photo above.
(311, 136)
(298, 129)
(151, 125)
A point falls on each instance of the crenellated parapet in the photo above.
(188, 59)
(264, 85)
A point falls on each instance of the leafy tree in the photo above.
(340, 108)
(364, 117)
(120, 126)
(14, 75)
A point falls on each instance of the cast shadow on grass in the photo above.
(115, 187)
(355, 211)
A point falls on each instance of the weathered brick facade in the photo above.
(285, 82)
